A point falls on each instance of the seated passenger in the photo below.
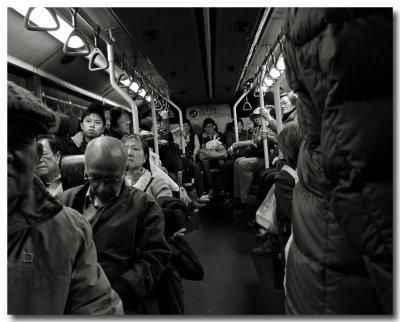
(212, 152)
(193, 168)
(228, 138)
(128, 225)
(52, 262)
(92, 125)
(289, 141)
(119, 123)
(246, 167)
(48, 168)
(139, 174)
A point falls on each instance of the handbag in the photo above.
(212, 154)
(266, 213)
(185, 259)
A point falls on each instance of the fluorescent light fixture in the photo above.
(268, 81)
(125, 81)
(142, 92)
(274, 73)
(134, 87)
(280, 65)
(40, 19)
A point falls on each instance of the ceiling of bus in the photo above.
(165, 45)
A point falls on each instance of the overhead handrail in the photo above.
(81, 51)
(247, 103)
(123, 76)
(155, 130)
(246, 91)
(180, 122)
(51, 11)
(97, 54)
(114, 84)
(263, 122)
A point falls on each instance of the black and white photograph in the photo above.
(200, 160)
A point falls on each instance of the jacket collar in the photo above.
(36, 207)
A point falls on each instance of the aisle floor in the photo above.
(235, 283)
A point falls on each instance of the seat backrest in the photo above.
(72, 171)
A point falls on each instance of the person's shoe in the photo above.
(196, 200)
(198, 204)
(263, 237)
(269, 249)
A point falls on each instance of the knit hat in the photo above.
(25, 107)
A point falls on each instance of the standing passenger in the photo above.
(119, 123)
(341, 257)
(52, 262)
(92, 125)
(128, 225)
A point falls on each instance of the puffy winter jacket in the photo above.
(52, 262)
(339, 62)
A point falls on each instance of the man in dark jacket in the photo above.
(52, 262)
(128, 225)
(341, 257)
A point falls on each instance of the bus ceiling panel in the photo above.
(169, 37)
(31, 47)
(233, 36)
(124, 44)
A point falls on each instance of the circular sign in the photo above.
(193, 113)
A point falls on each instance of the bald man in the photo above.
(128, 225)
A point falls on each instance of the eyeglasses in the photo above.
(107, 180)
(210, 126)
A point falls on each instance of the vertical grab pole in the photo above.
(277, 103)
(155, 130)
(125, 96)
(263, 124)
(180, 123)
(235, 114)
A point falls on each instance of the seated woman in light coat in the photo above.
(139, 174)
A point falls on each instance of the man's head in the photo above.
(27, 118)
(48, 167)
(106, 161)
(209, 126)
(92, 122)
(119, 122)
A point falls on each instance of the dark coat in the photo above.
(341, 258)
(130, 243)
(52, 262)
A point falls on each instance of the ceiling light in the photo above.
(280, 64)
(268, 81)
(148, 98)
(142, 92)
(134, 87)
(274, 73)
